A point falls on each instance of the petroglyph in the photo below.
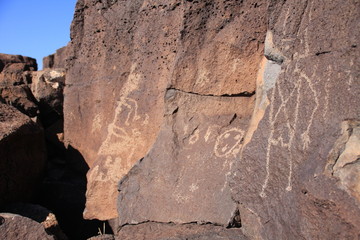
(96, 125)
(194, 137)
(193, 187)
(228, 144)
(286, 137)
(119, 130)
(112, 169)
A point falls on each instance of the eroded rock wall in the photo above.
(289, 179)
(125, 57)
(216, 111)
(22, 156)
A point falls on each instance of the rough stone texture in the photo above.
(22, 155)
(38, 214)
(103, 237)
(188, 166)
(346, 166)
(298, 173)
(123, 57)
(8, 59)
(161, 231)
(15, 77)
(16, 227)
(47, 87)
(20, 97)
(56, 60)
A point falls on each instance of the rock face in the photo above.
(39, 214)
(22, 155)
(56, 60)
(298, 174)
(239, 113)
(189, 164)
(16, 227)
(15, 77)
(119, 74)
(157, 231)
(47, 87)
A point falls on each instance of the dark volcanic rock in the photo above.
(38, 214)
(123, 57)
(56, 60)
(8, 59)
(16, 227)
(21, 98)
(298, 175)
(47, 87)
(292, 154)
(161, 231)
(15, 77)
(189, 164)
(22, 155)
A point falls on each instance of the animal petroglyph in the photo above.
(121, 134)
(228, 144)
(285, 137)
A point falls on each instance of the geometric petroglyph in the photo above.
(228, 144)
(290, 124)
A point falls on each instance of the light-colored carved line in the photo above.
(264, 186)
(230, 151)
(305, 135)
(272, 119)
(327, 92)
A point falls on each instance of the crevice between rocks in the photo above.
(172, 224)
(241, 94)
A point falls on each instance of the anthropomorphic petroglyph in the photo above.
(290, 118)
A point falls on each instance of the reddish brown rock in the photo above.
(8, 59)
(186, 171)
(20, 97)
(157, 231)
(16, 227)
(123, 57)
(22, 155)
(56, 60)
(39, 214)
(47, 87)
(297, 177)
(15, 76)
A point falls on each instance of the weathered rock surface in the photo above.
(16, 227)
(157, 231)
(15, 77)
(39, 214)
(22, 155)
(298, 173)
(186, 170)
(47, 87)
(123, 58)
(8, 59)
(172, 83)
(56, 60)
(103, 237)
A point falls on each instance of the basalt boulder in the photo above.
(16, 227)
(123, 59)
(15, 79)
(22, 156)
(298, 174)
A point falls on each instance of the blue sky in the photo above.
(35, 28)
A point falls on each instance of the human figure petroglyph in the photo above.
(290, 130)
